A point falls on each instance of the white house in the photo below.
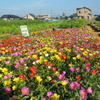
(43, 16)
(30, 16)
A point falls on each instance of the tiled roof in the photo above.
(10, 16)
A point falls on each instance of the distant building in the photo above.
(30, 16)
(10, 17)
(83, 13)
(44, 16)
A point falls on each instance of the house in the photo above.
(44, 16)
(10, 17)
(83, 13)
(30, 16)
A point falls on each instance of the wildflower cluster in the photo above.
(53, 65)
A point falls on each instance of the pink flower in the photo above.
(72, 69)
(25, 91)
(89, 90)
(61, 76)
(49, 94)
(8, 76)
(43, 98)
(7, 90)
(74, 84)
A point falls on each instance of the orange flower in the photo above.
(51, 64)
(98, 66)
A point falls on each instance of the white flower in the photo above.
(49, 67)
(46, 54)
(34, 63)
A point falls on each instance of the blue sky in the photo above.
(53, 7)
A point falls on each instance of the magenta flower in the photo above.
(49, 94)
(7, 89)
(74, 84)
(89, 90)
(72, 69)
(43, 98)
(77, 70)
(25, 91)
(61, 76)
(12, 98)
(87, 68)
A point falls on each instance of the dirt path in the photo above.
(95, 32)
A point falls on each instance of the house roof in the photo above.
(84, 8)
(10, 16)
(32, 15)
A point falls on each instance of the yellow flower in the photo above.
(57, 73)
(38, 78)
(14, 87)
(49, 78)
(74, 58)
(16, 97)
(56, 96)
(90, 54)
(78, 56)
(7, 82)
(33, 98)
(16, 79)
(41, 61)
(4, 70)
(70, 65)
(85, 53)
(35, 56)
(1, 75)
(64, 82)
(52, 58)
(0, 68)
(9, 57)
(41, 57)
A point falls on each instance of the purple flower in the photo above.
(74, 84)
(49, 94)
(12, 98)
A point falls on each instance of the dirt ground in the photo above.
(95, 32)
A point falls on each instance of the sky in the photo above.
(53, 7)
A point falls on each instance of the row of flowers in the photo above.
(50, 65)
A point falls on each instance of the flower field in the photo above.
(50, 65)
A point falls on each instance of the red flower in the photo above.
(64, 57)
(78, 78)
(31, 74)
(53, 81)
(54, 68)
(46, 63)
(33, 68)
(94, 71)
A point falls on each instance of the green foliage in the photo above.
(73, 23)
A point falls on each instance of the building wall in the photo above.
(84, 13)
